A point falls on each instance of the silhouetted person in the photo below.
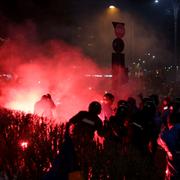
(118, 124)
(143, 126)
(83, 126)
(45, 106)
(87, 122)
(107, 109)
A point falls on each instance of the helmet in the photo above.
(95, 107)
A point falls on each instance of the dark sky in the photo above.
(67, 11)
(51, 15)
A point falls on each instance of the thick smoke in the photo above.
(31, 68)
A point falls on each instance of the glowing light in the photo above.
(112, 10)
(112, 7)
(171, 108)
(24, 101)
(24, 145)
(165, 108)
(108, 75)
(156, 1)
(98, 75)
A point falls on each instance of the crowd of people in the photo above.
(151, 124)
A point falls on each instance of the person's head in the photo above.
(131, 101)
(44, 97)
(122, 111)
(48, 96)
(108, 98)
(95, 107)
(149, 107)
(166, 101)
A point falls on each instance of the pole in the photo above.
(175, 11)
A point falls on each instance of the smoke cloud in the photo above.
(31, 68)
(96, 34)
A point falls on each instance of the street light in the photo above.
(156, 1)
(112, 7)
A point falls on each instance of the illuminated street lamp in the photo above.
(112, 7)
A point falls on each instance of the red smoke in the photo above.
(51, 67)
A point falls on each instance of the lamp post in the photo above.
(175, 13)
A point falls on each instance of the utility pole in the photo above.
(175, 13)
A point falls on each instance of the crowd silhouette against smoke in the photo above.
(31, 68)
(41, 71)
(51, 65)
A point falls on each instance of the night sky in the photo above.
(69, 13)
(61, 18)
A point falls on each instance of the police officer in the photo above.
(82, 127)
(87, 122)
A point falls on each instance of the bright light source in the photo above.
(112, 7)
(24, 145)
(108, 75)
(156, 1)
